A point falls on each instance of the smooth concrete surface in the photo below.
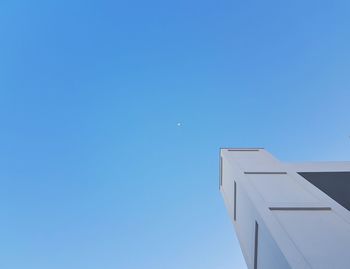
(281, 219)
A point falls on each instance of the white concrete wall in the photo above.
(286, 238)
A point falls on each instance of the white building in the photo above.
(287, 215)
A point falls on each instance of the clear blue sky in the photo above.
(94, 171)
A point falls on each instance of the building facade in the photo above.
(287, 215)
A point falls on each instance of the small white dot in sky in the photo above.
(179, 124)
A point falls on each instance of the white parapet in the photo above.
(281, 219)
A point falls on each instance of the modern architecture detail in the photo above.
(287, 215)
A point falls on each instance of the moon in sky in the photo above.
(179, 124)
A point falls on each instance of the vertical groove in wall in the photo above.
(256, 245)
(234, 200)
(220, 175)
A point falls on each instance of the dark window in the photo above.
(220, 177)
(256, 238)
(334, 184)
(234, 200)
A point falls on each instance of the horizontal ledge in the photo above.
(301, 208)
(265, 173)
(242, 149)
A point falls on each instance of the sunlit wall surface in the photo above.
(281, 219)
